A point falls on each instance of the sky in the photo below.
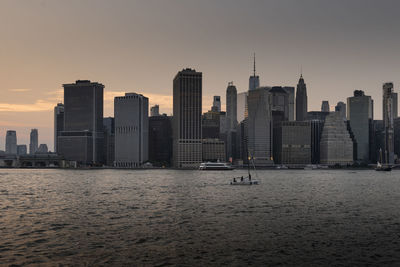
(139, 46)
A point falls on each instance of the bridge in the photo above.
(32, 161)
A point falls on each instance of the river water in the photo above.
(195, 218)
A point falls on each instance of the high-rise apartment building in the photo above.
(360, 115)
(11, 142)
(187, 107)
(83, 136)
(58, 122)
(131, 130)
(325, 106)
(34, 141)
(388, 151)
(301, 100)
(259, 128)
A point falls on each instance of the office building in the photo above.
(11, 142)
(292, 144)
(187, 107)
(34, 141)
(336, 144)
(160, 140)
(58, 122)
(290, 91)
(242, 111)
(396, 130)
(317, 115)
(377, 137)
(42, 149)
(316, 132)
(280, 102)
(109, 140)
(82, 138)
(359, 114)
(301, 100)
(388, 144)
(21, 150)
(259, 128)
(131, 130)
(325, 106)
(341, 108)
(155, 110)
(211, 124)
(216, 104)
(213, 150)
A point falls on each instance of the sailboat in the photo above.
(245, 180)
(379, 166)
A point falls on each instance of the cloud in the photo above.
(39, 105)
(20, 90)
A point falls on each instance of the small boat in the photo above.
(244, 180)
(220, 166)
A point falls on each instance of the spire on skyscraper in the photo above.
(254, 67)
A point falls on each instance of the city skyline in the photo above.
(357, 52)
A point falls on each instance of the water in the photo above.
(194, 218)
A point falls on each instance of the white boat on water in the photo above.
(220, 166)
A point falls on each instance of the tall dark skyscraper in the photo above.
(82, 138)
(58, 122)
(325, 106)
(187, 107)
(231, 120)
(34, 141)
(359, 113)
(254, 80)
(160, 140)
(301, 100)
(388, 115)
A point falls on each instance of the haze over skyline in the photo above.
(139, 46)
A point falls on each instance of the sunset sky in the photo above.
(138, 46)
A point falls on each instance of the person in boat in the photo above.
(234, 180)
(249, 177)
(241, 179)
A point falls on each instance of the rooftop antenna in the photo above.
(301, 71)
(254, 69)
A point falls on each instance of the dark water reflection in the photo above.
(167, 217)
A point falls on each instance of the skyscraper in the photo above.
(109, 140)
(82, 138)
(301, 100)
(34, 142)
(21, 150)
(160, 140)
(231, 120)
(359, 114)
(58, 122)
(325, 106)
(395, 105)
(231, 107)
(216, 104)
(131, 130)
(11, 142)
(259, 128)
(290, 91)
(187, 107)
(241, 106)
(254, 80)
(336, 143)
(388, 152)
(341, 108)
